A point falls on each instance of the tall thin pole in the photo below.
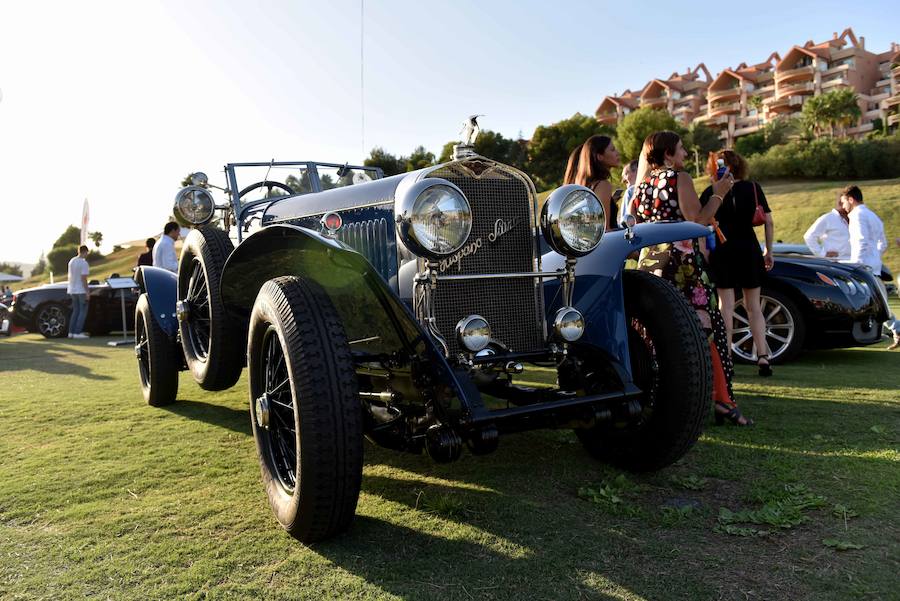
(362, 88)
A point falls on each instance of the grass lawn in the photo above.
(102, 496)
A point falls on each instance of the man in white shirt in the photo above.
(78, 291)
(164, 254)
(867, 243)
(829, 235)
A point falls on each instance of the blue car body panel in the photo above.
(161, 287)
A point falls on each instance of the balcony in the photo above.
(796, 88)
(893, 120)
(608, 118)
(725, 109)
(659, 101)
(725, 94)
(837, 81)
(792, 74)
(892, 101)
(832, 70)
(895, 71)
(785, 104)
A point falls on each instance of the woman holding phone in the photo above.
(665, 192)
(737, 261)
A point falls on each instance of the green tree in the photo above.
(390, 164)
(637, 125)
(10, 268)
(550, 146)
(58, 257)
(72, 235)
(39, 267)
(493, 145)
(843, 108)
(702, 138)
(757, 103)
(419, 159)
(96, 238)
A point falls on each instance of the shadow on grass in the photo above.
(49, 357)
(216, 415)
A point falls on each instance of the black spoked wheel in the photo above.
(52, 321)
(156, 356)
(280, 430)
(198, 301)
(213, 348)
(671, 364)
(305, 410)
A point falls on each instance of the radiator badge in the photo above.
(501, 226)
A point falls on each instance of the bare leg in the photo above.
(757, 323)
(726, 307)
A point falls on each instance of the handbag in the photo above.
(759, 215)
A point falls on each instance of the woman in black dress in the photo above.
(666, 193)
(738, 262)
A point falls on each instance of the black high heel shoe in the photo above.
(733, 415)
(765, 370)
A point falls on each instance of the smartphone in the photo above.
(721, 168)
(617, 194)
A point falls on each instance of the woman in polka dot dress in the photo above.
(666, 193)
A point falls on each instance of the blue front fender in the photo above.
(598, 282)
(161, 287)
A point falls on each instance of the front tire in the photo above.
(157, 356)
(670, 362)
(304, 408)
(52, 321)
(212, 350)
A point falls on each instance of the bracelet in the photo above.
(717, 196)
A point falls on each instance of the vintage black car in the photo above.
(406, 309)
(813, 303)
(47, 309)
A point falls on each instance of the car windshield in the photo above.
(262, 181)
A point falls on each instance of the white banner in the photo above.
(85, 217)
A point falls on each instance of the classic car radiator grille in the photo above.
(503, 241)
(370, 239)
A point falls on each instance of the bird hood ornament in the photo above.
(469, 133)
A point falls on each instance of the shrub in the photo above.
(830, 159)
(58, 258)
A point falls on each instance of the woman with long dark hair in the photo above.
(666, 193)
(737, 261)
(598, 155)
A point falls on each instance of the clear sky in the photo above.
(117, 101)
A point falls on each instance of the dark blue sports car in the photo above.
(814, 303)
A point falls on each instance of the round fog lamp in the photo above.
(473, 333)
(569, 324)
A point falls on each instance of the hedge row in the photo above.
(830, 159)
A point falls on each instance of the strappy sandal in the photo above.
(733, 415)
(765, 370)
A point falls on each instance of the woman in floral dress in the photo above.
(666, 193)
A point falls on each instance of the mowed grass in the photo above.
(102, 496)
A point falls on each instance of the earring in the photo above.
(668, 164)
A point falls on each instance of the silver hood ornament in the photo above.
(469, 133)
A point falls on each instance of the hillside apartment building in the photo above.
(741, 100)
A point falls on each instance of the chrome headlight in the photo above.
(433, 217)
(194, 206)
(573, 220)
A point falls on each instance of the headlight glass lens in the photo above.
(194, 205)
(441, 219)
(581, 221)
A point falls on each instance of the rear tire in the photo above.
(157, 356)
(213, 351)
(671, 363)
(304, 408)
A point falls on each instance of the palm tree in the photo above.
(844, 108)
